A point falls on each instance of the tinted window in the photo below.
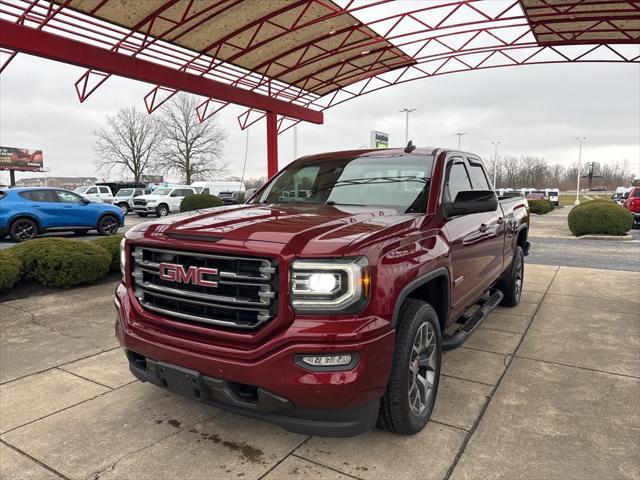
(636, 193)
(104, 189)
(477, 176)
(92, 190)
(138, 193)
(187, 192)
(457, 181)
(40, 195)
(68, 197)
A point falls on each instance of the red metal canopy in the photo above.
(292, 59)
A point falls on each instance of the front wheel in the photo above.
(415, 374)
(23, 229)
(124, 208)
(513, 279)
(162, 211)
(108, 225)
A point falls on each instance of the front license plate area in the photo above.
(180, 380)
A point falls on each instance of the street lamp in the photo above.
(407, 111)
(580, 140)
(495, 162)
(459, 138)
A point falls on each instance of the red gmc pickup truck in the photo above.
(324, 303)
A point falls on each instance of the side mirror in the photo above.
(471, 201)
(86, 201)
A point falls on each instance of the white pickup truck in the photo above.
(96, 193)
(162, 201)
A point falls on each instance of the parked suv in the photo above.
(27, 212)
(162, 201)
(632, 203)
(96, 193)
(124, 198)
(327, 311)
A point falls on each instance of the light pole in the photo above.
(580, 140)
(407, 111)
(459, 138)
(495, 162)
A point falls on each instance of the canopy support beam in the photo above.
(272, 144)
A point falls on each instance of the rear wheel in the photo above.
(23, 229)
(513, 280)
(407, 405)
(162, 210)
(108, 225)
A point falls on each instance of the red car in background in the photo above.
(632, 203)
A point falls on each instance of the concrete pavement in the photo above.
(549, 389)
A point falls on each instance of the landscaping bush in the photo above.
(112, 245)
(197, 202)
(600, 218)
(60, 262)
(551, 205)
(539, 206)
(9, 270)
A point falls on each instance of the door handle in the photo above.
(500, 220)
(483, 227)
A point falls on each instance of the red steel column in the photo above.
(272, 144)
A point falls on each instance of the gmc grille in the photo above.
(244, 298)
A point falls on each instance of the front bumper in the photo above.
(145, 209)
(329, 403)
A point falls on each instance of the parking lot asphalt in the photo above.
(553, 244)
(549, 389)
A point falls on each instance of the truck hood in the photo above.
(149, 197)
(303, 228)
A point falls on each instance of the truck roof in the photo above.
(373, 152)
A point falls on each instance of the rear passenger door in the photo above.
(44, 205)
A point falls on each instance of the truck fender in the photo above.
(418, 282)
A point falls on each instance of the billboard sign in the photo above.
(591, 169)
(379, 139)
(20, 159)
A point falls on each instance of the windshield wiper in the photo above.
(332, 202)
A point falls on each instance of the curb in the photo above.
(605, 237)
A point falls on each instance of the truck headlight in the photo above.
(123, 259)
(330, 286)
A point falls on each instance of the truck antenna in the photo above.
(410, 147)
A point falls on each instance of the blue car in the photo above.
(27, 212)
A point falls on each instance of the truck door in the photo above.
(475, 241)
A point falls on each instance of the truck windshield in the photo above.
(162, 191)
(125, 192)
(400, 182)
(81, 189)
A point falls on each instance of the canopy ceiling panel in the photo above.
(289, 41)
(570, 22)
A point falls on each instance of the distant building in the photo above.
(57, 182)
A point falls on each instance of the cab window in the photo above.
(104, 189)
(92, 190)
(457, 180)
(477, 176)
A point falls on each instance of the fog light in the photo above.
(339, 361)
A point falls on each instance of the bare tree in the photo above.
(128, 143)
(191, 149)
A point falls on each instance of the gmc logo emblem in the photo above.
(193, 275)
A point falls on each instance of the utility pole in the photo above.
(495, 162)
(459, 138)
(580, 140)
(407, 111)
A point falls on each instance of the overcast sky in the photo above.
(531, 110)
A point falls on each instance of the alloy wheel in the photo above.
(519, 274)
(109, 225)
(422, 368)
(25, 230)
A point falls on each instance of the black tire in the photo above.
(124, 207)
(108, 225)
(397, 411)
(513, 280)
(23, 229)
(81, 231)
(162, 210)
(142, 214)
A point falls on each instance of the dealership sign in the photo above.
(379, 139)
(20, 159)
